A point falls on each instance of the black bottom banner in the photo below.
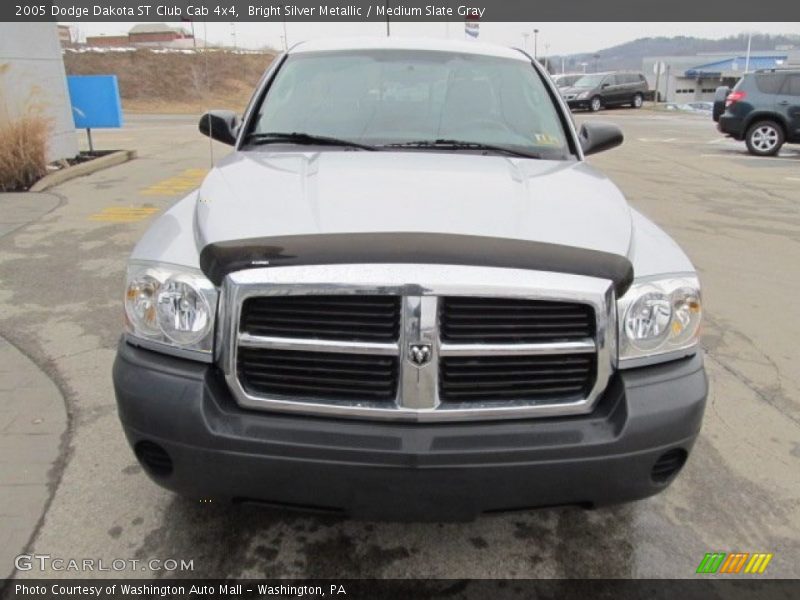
(617, 589)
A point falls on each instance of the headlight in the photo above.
(170, 309)
(659, 320)
(583, 95)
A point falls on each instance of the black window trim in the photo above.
(787, 81)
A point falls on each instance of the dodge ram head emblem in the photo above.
(419, 354)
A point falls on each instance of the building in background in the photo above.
(65, 36)
(146, 35)
(682, 79)
(33, 82)
(107, 41)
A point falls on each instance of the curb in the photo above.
(86, 168)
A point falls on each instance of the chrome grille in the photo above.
(318, 375)
(512, 321)
(347, 318)
(559, 378)
(329, 340)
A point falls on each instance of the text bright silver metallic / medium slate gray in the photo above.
(406, 295)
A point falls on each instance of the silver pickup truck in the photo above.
(405, 295)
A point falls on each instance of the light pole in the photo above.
(536, 44)
(747, 58)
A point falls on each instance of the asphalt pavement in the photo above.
(738, 218)
(33, 417)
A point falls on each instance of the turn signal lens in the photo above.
(687, 312)
(140, 304)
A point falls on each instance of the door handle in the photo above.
(783, 103)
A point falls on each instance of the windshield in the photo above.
(590, 81)
(382, 97)
(566, 80)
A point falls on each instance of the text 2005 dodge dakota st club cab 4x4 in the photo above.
(405, 295)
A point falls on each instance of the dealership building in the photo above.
(33, 82)
(695, 78)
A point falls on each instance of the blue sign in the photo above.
(95, 101)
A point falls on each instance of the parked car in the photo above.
(598, 90)
(564, 80)
(763, 109)
(418, 307)
(694, 107)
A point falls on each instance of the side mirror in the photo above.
(604, 86)
(597, 137)
(220, 125)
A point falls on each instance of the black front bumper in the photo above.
(384, 470)
(585, 104)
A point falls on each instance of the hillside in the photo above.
(175, 82)
(630, 54)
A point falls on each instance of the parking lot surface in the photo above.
(737, 217)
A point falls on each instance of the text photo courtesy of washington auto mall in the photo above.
(381, 299)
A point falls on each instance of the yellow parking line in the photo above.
(123, 214)
(185, 181)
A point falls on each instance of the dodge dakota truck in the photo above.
(405, 295)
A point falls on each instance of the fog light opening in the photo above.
(154, 458)
(668, 465)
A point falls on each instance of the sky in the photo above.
(553, 38)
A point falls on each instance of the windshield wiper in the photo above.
(461, 145)
(304, 139)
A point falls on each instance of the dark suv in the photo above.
(596, 90)
(763, 109)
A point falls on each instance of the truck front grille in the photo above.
(348, 318)
(508, 320)
(553, 378)
(421, 352)
(318, 375)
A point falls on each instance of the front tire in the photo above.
(764, 138)
(595, 104)
(638, 101)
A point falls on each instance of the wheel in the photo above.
(764, 138)
(638, 100)
(596, 104)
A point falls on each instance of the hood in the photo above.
(574, 90)
(253, 195)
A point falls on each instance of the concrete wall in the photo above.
(32, 79)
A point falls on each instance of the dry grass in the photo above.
(23, 152)
(175, 82)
